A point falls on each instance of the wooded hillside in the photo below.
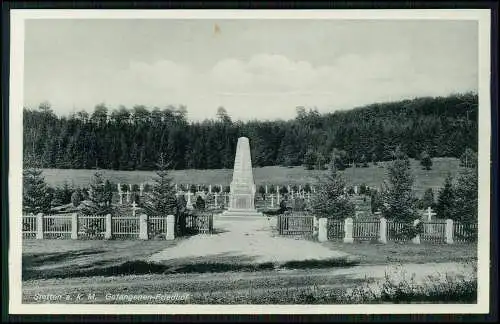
(127, 139)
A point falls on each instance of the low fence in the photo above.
(75, 226)
(335, 229)
(380, 230)
(296, 225)
(465, 232)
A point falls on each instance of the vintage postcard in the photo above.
(266, 162)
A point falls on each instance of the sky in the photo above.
(255, 69)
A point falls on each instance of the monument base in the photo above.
(244, 213)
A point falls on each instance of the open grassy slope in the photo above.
(275, 175)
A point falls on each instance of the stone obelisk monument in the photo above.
(242, 195)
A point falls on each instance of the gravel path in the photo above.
(252, 240)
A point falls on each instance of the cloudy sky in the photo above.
(256, 69)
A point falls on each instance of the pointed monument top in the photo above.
(242, 173)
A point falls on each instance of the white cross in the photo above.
(134, 208)
(130, 186)
(215, 201)
(121, 197)
(430, 213)
(119, 188)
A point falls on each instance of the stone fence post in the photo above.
(416, 239)
(383, 231)
(39, 226)
(143, 227)
(323, 230)
(449, 231)
(170, 227)
(107, 233)
(348, 227)
(74, 226)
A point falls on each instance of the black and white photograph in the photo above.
(248, 161)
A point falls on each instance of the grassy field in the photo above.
(74, 258)
(101, 269)
(392, 252)
(274, 175)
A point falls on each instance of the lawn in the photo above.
(376, 253)
(74, 258)
(66, 258)
(272, 175)
(95, 270)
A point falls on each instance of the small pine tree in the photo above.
(375, 201)
(99, 202)
(466, 196)
(76, 197)
(445, 201)
(425, 160)
(161, 201)
(398, 200)
(329, 200)
(428, 199)
(36, 196)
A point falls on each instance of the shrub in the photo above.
(100, 196)
(329, 200)
(76, 197)
(200, 203)
(298, 204)
(363, 189)
(425, 160)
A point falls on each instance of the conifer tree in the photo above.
(99, 202)
(398, 199)
(428, 199)
(465, 201)
(161, 200)
(425, 160)
(329, 200)
(36, 197)
(446, 197)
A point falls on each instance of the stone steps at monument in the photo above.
(241, 214)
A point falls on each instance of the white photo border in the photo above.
(17, 23)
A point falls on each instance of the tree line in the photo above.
(132, 139)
